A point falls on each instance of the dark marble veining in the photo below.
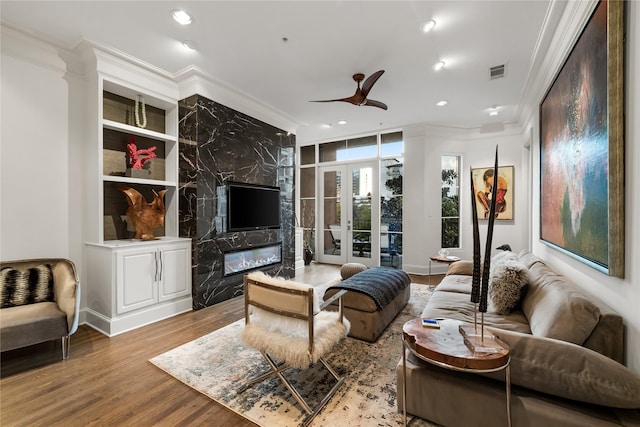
(219, 144)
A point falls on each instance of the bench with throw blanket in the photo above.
(375, 297)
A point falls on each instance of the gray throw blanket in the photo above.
(382, 284)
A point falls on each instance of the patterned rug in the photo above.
(217, 364)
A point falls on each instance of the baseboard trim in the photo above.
(112, 326)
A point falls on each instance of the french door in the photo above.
(349, 214)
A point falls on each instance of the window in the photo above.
(349, 149)
(307, 190)
(391, 173)
(450, 202)
(391, 144)
(388, 150)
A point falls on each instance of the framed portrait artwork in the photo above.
(483, 189)
(582, 147)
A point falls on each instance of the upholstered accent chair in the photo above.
(285, 321)
(40, 302)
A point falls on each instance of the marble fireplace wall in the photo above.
(218, 144)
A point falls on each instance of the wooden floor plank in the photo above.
(110, 381)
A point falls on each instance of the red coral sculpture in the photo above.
(137, 158)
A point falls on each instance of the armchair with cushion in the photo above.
(285, 321)
(40, 302)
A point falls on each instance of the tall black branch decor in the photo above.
(480, 283)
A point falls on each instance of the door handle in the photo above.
(161, 266)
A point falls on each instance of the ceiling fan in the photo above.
(360, 97)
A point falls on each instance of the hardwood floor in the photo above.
(110, 381)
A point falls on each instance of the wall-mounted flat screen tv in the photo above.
(252, 207)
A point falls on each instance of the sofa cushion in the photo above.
(557, 310)
(527, 258)
(26, 286)
(31, 324)
(457, 305)
(570, 371)
(507, 281)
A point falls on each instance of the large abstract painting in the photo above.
(582, 147)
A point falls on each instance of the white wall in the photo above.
(34, 172)
(424, 147)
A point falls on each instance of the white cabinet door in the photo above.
(137, 273)
(175, 270)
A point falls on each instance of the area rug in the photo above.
(217, 364)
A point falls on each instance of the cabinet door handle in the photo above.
(155, 273)
(161, 266)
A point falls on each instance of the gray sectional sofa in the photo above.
(566, 359)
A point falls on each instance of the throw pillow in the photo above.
(21, 287)
(463, 268)
(508, 279)
(349, 269)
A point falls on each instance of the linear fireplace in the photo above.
(243, 260)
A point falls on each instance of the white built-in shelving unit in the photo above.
(132, 282)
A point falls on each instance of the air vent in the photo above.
(496, 72)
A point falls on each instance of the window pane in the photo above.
(329, 151)
(362, 244)
(450, 234)
(391, 171)
(332, 242)
(308, 155)
(361, 213)
(307, 182)
(308, 216)
(391, 213)
(360, 148)
(450, 202)
(332, 184)
(391, 144)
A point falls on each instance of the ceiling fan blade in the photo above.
(351, 99)
(371, 80)
(373, 103)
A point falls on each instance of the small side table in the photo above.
(441, 259)
(445, 348)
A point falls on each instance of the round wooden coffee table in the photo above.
(445, 347)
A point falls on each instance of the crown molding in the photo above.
(27, 46)
(563, 24)
(193, 80)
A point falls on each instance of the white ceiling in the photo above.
(241, 44)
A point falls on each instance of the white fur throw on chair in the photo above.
(285, 338)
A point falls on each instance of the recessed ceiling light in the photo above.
(442, 103)
(326, 125)
(188, 44)
(342, 122)
(493, 113)
(438, 65)
(181, 17)
(428, 26)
